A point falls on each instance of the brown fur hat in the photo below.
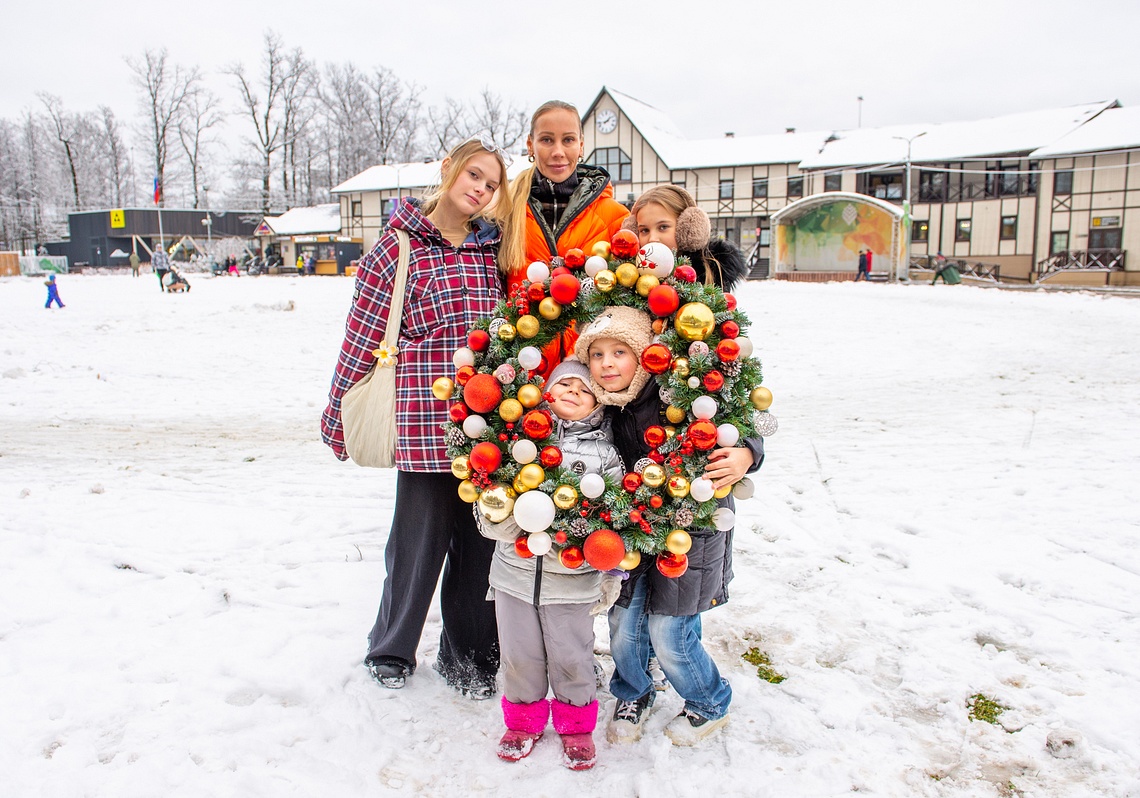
(631, 327)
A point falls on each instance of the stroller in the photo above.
(173, 280)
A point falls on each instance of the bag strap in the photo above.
(396, 308)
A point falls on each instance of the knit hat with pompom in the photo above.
(634, 329)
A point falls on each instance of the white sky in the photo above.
(741, 65)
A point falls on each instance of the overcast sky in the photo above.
(748, 66)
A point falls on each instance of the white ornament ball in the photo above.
(745, 345)
(537, 272)
(723, 519)
(703, 406)
(744, 489)
(592, 486)
(474, 426)
(463, 357)
(538, 542)
(694, 382)
(524, 451)
(698, 348)
(534, 511)
(701, 489)
(657, 259)
(530, 357)
(505, 373)
(764, 423)
(595, 264)
(727, 435)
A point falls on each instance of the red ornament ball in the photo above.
(624, 244)
(522, 549)
(536, 425)
(464, 374)
(655, 436)
(535, 292)
(730, 300)
(457, 412)
(564, 288)
(485, 456)
(558, 271)
(672, 565)
(730, 329)
(482, 393)
(656, 501)
(604, 549)
(560, 537)
(478, 340)
(727, 350)
(701, 434)
(685, 273)
(663, 300)
(571, 557)
(575, 258)
(714, 381)
(550, 457)
(656, 358)
(632, 480)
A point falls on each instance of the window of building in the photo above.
(677, 178)
(962, 231)
(357, 209)
(885, 186)
(764, 232)
(920, 230)
(1008, 228)
(1060, 242)
(932, 186)
(795, 186)
(615, 161)
(759, 187)
(726, 188)
(833, 182)
(1063, 182)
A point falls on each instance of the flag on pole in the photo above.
(157, 191)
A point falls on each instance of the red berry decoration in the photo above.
(713, 381)
(560, 537)
(672, 565)
(656, 501)
(624, 244)
(485, 456)
(730, 329)
(564, 288)
(702, 435)
(656, 358)
(464, 374)
(535, 292)
(663, 300)
(550, 457)
(575, 259)
(685, 273)
(730, 300)
(482, 393)
(632, 480)
(728, 350)
(655, 436)
(478, 340)
(522, 549)
(604, 549)
(571, 557)
(457, 412)
(537, 426)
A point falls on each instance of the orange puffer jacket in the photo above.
(592, 215)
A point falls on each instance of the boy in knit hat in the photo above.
(656, 613)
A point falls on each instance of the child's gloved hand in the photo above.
(611, 589)
(505, 531)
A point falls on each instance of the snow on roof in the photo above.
(302, 221)
(407, 175)
(1112, 129)
(1009, 135)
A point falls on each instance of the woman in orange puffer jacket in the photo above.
(561, 204)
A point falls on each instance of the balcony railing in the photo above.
(989, 272)
(1081, 260)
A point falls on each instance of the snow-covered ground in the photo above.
(187, 574)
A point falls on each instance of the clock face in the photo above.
(606, 121)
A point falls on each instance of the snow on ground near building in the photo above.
(187, 575)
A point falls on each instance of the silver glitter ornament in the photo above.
(764, 423)
(642, 464)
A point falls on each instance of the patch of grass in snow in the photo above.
(984, 708)
(764, 669)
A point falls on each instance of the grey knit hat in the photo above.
(570, 367)
(631, 327)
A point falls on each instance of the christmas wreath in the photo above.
(500, 436)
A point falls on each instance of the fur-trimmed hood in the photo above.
(729, 268)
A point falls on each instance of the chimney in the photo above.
(729, 135)
(789, 130)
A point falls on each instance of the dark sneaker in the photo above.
(628, 719)
(600, 678)
(578, 751)
(474, 685)
(689, 728)
(516, 744)
(390, 674)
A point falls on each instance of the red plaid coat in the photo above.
(448, 289)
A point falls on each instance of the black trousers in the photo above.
(432, 528)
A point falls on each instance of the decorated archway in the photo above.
(819, 237)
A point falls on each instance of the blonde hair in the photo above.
(498, 211)
(512, 252)
(677, 200)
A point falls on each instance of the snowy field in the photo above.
(187, 574)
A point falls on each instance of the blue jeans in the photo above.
(677, 643)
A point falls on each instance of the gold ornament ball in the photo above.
(495, 504)
(530, 395)
(601, 249)
(518, 485)
(670, 433)
(760, 397)
(626, 275)
(468, 492)
(565, 497)
(531, 475)
(678, 487)
(507, 332)
(510, 410)
(646, 283)
(674, 414)
(443, 388)
(681, 367)
(678, 542)
(654, 476)
(460, 467)
(549, 309)
(527, 326)
(694, 321)
(631, 560)
(720, 493)
(605, 280)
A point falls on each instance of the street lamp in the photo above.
(209, 222)
(904, 267)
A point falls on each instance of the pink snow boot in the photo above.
(525, 724)
(576, 726)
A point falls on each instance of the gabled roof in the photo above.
(386, 177)
(1012, 135)
(305, 221)
(1112, 129)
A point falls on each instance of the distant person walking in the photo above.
(862, 273)
(160, 262)
(870, 260)
(300, 265)
(134, 259)
(53, 292)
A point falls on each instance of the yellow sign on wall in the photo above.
(118, 218)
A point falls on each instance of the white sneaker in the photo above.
(628, 719)
(657, 675)
(689, 728)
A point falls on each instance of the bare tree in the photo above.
(297, 111)
(342, 93)
(64, 126)
(391, 114)
(165, 89)
(505, 122)
(450, 124)
(117, 154)
(202, 113)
